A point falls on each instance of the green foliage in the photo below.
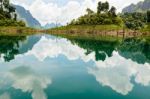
(104, 16)
(148, 16)
(102, 7)
(89, 11)
(6, 9)
(135, 20)
(8, 16)
(112, 11)
(7, 22)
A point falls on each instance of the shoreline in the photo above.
(90, 32)
(100, 30)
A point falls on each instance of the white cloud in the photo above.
(52, 13)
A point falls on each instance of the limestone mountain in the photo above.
(139, 7)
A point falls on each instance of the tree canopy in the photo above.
(8, 16)
(104, 16)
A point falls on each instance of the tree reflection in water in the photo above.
(9, 46)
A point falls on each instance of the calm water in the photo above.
(48, 67)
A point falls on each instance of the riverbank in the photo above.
(98, 32)
(18, 30)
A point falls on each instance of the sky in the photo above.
(63, 11)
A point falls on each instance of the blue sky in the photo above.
(63, 11)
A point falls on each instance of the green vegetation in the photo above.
(14, 31)
(136, 20)
(8, 16)
(106, 19)
(146, 28)
(148, 16)
(89, 27)
(103, 16)
(106, 16)
(8, 22)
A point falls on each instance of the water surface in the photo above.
(49, 67)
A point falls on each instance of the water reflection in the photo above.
(116, 72)
(14, 45)
(100, 48)
(5, 96)
(135, 49)
(9, 46)
(112, 64)
(28, 81)
(25, 79)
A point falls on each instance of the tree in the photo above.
(148, 16)
(6, 4)
(99, 8)
(11, 9)
(1, 2)
(102, 7)
(112, 11)
(89, 11)
(102, 17)
(15, 17)
(105, 6)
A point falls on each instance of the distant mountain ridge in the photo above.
(51, 25)
(26, 16)
(142, 6)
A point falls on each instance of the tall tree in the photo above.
(105, 6)
(148, 16)
(112, 11)
(99, 8)
(1, 4)
(89, 11)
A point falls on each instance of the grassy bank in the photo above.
(146, 28)
(99, 32)
(13, 30)
(89, 27)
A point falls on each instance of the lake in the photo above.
(48, 67)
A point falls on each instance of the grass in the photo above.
(146, 28)
(13, 30)
(89, 27)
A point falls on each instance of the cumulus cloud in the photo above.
(52, 13)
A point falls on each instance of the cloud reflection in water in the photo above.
(115, 71)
